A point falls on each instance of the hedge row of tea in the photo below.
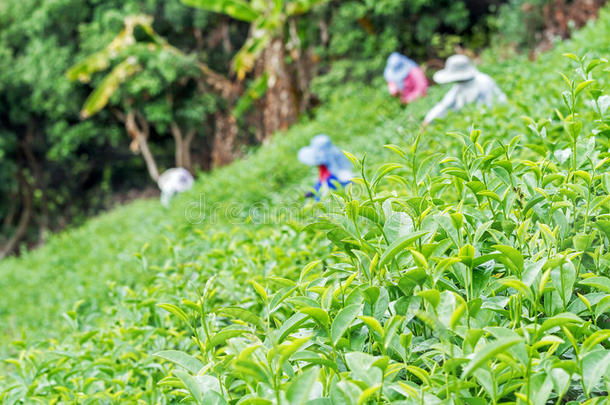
(467, 265)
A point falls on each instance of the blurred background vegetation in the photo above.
(98, 96)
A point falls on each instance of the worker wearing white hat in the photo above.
(174, 181)
(471, 86)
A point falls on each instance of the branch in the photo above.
(24, 220)
(119, 114)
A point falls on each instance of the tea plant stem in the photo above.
(380, 388)
(585, 223)
(574, 142)
(528, 375)
(413, 163)
(365, 181)
(488, 198)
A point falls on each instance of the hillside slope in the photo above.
(78, 264)
(133, 266)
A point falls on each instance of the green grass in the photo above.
(368, 294)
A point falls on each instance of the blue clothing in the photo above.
(331, 183)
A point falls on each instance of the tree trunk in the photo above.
(281, 104)
(225, 135)
(186, 150)
(179, 144)
(11, 212)
(304, 64)
(39, 183)
(183, 146)
(140, 135)
(24, 219)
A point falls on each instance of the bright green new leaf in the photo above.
(399, 245)
(582, 86)
(372, 323)
(242, 314)
(173, 309)
(515, 258)
(260, 290)
(432, 296)
(318, 314)
(368, 393)
(223, 336)
(595, 339)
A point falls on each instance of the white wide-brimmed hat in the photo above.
(174, 181)
(397, 69)
(321, 151)
(457, 68)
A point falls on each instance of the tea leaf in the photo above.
(489, 351)
(298, 392)
(399, 245)
(190, 363)
(343, 321)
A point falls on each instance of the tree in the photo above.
(42, 153)
(267, 42)
(57, 169)
(150, 83)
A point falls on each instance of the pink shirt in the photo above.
(415, 85)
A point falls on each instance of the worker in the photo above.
(174, 181)
(471, 86)
(333, 167)
(404, 78)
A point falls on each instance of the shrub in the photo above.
(466, 265)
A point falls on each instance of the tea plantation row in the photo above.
(467, 265)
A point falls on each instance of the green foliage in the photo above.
(72, 167)
(519, 22)
(368, 31)
(268, 20)
(466, 264)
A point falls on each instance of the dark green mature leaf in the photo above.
(565, 318)
(488, 352)
(343, 321)
(191, 385)
(564, 278)
(601, 283)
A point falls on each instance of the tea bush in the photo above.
(468, 264)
